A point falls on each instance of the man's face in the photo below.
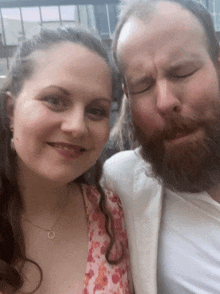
(173, 89)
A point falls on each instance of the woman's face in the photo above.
(61, 116)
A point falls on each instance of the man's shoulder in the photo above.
(128, 175)
(124, 160)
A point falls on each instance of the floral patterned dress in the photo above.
(102, 277)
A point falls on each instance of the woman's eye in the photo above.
(55, 102)
(96, 113)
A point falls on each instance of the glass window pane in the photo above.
(31, 18)
(211, 7)
(31, 14)
(91, 16)
(12, 13)
(68, 12)
(217, 6)
(83, 17)
(50, 13)
(12, 25)
(102, 20)
(112, 16)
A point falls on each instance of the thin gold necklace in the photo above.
(50, 232)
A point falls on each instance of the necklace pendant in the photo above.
(51, 235)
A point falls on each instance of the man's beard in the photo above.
(192, 165)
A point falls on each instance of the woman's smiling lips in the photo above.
(67, 150)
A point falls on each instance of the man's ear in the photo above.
(10, 104)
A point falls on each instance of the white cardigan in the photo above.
(141, 196)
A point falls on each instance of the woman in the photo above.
(58, 234)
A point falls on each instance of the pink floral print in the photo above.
(102, 277)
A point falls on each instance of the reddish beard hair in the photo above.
(192, 166)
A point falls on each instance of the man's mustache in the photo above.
(177, 127)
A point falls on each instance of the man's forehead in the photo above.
(129, 31)
(137, 59)
(139, 40)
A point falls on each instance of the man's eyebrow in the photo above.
(141, 80)
(191, 58)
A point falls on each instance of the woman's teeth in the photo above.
(64, 146)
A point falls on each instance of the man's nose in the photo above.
(75, 122)
(168, 101)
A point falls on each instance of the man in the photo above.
(169, 58)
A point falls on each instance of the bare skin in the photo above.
(63, 260)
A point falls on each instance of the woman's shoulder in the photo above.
(113, 201)
(113, 206)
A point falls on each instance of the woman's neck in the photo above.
(42, 197)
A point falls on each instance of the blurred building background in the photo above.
(214, 8)
(21, 18)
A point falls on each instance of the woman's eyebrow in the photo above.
(65, 92)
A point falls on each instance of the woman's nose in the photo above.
(75, 123)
